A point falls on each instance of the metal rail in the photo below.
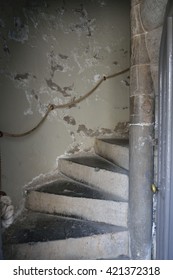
(164, 230)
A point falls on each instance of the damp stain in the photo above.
(122, 128)
(93, 133)
(20, 77)
(85, 130)
(55, 64)
(55, 68)
(105, 130)
(69, 120)
(74, 150)
(62, 56)
(54, 86)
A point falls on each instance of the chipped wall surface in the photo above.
(52, 52)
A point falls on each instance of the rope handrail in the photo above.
(69, 104)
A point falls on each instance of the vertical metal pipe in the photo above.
(164, 241)
(141, 142)
(161, 140)
(168, 134)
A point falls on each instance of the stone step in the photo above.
(95, 171)
(70, 198)
(43, 236)
(115, 150)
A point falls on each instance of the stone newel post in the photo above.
(146, 27)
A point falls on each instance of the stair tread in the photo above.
(114, 150)
(97, 162)
(115, 141)
(73, 189)
(33, 227)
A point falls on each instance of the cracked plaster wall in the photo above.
(51, 52)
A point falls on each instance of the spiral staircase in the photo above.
(82, 213)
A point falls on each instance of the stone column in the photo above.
(145, 41)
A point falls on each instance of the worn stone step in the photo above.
(76, 200)
(115, 150)
(95, 171)
(69, 187)
(42, 236)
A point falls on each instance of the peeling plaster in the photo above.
(69, 120)
(58, 62)
(85, 25)
(19, 77)
(62, 56)
(97, 78)
(74, 150)
(41, 179)
(56, 87)
(28, 112)
(93, 133)
(122, 128)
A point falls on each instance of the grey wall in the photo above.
(51, 52)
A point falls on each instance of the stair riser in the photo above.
(113, 183)
(110, 212)
(106, 246)
(116, 154)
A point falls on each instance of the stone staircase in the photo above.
(80, 214)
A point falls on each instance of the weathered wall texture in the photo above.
(51, 52)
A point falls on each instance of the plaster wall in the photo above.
(51, 52)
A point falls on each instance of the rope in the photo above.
(6, 207)
(6, 211)
(69, 104)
